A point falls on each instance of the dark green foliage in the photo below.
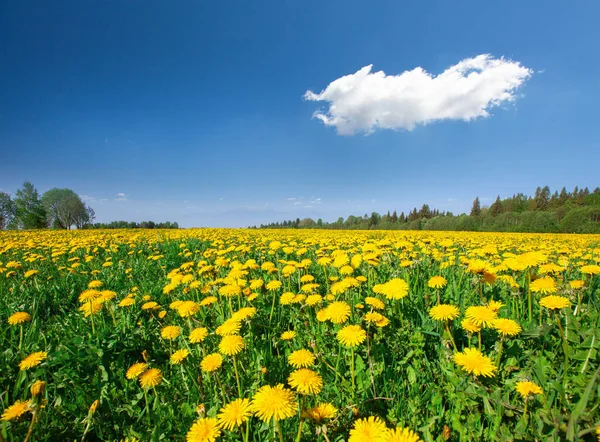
(566, 212)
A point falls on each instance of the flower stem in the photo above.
(450, 334)
(279, 431)
(237, 377)
(565, 343)
(499, 351)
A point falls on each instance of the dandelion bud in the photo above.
(94, 406)
(201, 409)
(37, 389)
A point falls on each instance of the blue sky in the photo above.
(195, 111)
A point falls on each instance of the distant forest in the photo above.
(545, 212)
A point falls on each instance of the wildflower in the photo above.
(135, 370)
(275, 403)
(187, 308)
(590, 270)
(527, 388)
(400, 434)
(371, 429)
(16, 410)
(19, 318)
(544, 286)
(338, 312)
(179, 356)
(576, 284)
(204, 430)
(495, 305)
(288, 335)
(376, 303)
(37, 388)
(507, 327)
(198, 335)
(470, 326)
(33, 360)
(554, 302)
(474, 362)
(127, 302)
(320, 412)
(395, 289)
(437, 282)
(229, 327)
(481, 316)
(234, 414)
(306, 381)
(30, 273)
(273, 285)
(301, 358)
(94, 284)
(351, 335)
(150, 378)
(211, 362)
(444, 312)
(231, 345)
(170, 332)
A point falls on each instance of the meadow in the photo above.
(298, 335)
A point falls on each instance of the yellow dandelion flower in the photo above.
(320, 412)
(474, 362)
(273, 285)
(135, 370)
(275, 403)
(301, 358)
(229, 327)
(544, 286)
(482, 316)
(205, 429)
(469, 326)
(288, 335)
(16, 410)
(554, 302)
(507, 327)
(231, 345)
(127, 302)
(198, 335)
(19, 318)
(400, 434)
(150, 378)
(234, 414)
(338, 312)
(170, 332)
(179, 356)
(95, 284)
(396, 288)
(376, 303)
(371, 429)
(351, 335)
(527, 388)
(37, 388)
(306, 381)
(437, 282)
(33, 360)
(211, 362)
(444, 312)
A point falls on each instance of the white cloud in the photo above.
(366, 101)
(121, 197)
(121, 194)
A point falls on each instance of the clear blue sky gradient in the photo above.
(194, 110)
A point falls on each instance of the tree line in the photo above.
(577, 211)
(57, 209)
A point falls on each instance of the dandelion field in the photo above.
(288, 335)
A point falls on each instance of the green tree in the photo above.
(29, 211)
(64, 208)
(7, 210)
(496, 208)
(476, 208)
